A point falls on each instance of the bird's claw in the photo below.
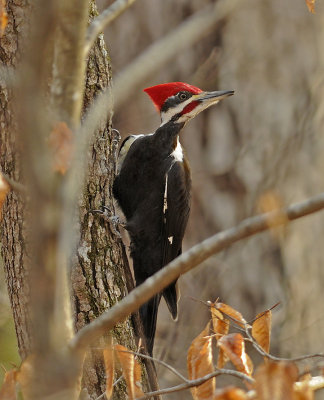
(105, 212)
(113, 220)
(116, 220)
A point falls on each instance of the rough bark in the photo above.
(97, 278)
(12, 228)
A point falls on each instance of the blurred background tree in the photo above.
(267, 139)
(97, 278)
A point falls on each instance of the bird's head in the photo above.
(180, 102)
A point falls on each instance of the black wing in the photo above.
(176, 210)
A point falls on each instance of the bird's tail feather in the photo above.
(148, 313)
(171, 297)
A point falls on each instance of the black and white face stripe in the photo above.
(174, 105)
(185, 105)
(173, 101)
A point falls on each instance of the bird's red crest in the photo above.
(160, 93)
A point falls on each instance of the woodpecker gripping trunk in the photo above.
(153, 189)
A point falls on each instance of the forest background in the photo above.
(266, 142)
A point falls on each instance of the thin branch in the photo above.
(198, 382)
(263, 313)
(114, 385)
(275, 358)
(300, 358)
(103, 20)
(260, 350)
(138, 325)
(187, 261)
(177, 373)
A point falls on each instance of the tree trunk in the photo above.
(98, 279)
(13, 246)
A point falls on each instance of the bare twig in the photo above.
(300, 358)
(198, 382)
(159, 362)
(103, 20)
(103, 395)
(260, 350)
(188, 261)
(263, 313)
(138, 326)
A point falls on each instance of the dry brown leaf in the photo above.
(214, 312)
(222, 358)
(230, 393)
(62, 145)
(229, 311)
(3, 17)
(108, 355)
(311, 5)
(261, 330)
(8, 388)
(275, 381)
(221, 328)
(138, 380)
(200, 363)
(220, 324)
(4, 189)
(131, 372)
(234, 347)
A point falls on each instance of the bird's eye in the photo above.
(183, 96)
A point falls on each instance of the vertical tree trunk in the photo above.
(98, 277)
(12, 232)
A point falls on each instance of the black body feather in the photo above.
(153, 190)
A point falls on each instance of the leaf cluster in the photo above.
(221, 342)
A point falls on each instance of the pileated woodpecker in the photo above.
(153, 187)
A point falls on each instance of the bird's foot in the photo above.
(113, 220)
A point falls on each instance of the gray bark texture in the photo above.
(98, 279)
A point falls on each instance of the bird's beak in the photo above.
(201, 101)
(213, 97)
